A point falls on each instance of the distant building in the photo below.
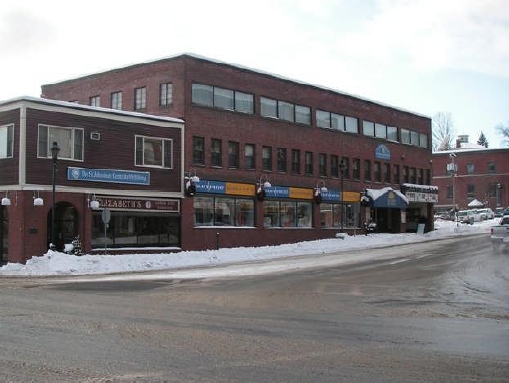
(471, 171)
(245, 129)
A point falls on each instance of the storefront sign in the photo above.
(301, 193)
(143, 204)
(382, 152)
(240, 189)
(331, 195)
(108, 175)
(277, 192)
(421, 197)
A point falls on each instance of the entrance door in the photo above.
(66, 224)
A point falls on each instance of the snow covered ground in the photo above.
(55, 263)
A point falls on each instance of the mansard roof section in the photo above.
(85, 109)
(194, 56)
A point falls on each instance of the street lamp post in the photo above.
(54, 155)
(342, 168)
(452, 167)
(499, 186)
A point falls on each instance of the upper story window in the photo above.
(322, 164)
(395, 178)
(249, 156)
(285, 111)
(334, 166)
(95, 101)
(116, 100)
(70, 141)
(198, 150)
(470, 169)
(392, 133)
(165, 94)
(377, 171)
(281, 160)
(405, 136)
(346, 167)
(491, 167)
(380, 130)
(140, 98)
(356, 169)
(228, 99)
(368, 128)
(423, 140)
(367, 170)
(233, 154)
(414, 138)
(216, 152)
(329, 120)
(267, 158)
(296, 161)
(6, 141)
(153, 151)
(308, 163)
(351, 124)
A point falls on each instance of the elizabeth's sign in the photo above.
(144, 204)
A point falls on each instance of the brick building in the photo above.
(129, 163)
(480, 173)
(333, 160)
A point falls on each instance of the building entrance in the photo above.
(66, 224)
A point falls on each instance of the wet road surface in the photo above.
(437, 312)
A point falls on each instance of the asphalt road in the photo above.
(438, 312)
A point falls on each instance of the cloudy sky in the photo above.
(425, 56)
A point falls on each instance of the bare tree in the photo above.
(503, 130)
(443, 132)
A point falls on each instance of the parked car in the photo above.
(466, 216)
(500, 234)
(486, 213)
(499, 212)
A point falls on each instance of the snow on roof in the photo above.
(203, 58)
(421, 187)
(74, 105)
(376, 193)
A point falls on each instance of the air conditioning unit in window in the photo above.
(96, 136)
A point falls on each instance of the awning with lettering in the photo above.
(387, 198)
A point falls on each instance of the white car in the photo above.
(469, 216)
(486, 213)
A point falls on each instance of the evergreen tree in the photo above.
(482, 140)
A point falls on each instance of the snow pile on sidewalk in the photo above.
(55, 263)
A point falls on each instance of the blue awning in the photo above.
(387, 198)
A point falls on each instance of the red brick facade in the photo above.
(482, 174)
(210, 123)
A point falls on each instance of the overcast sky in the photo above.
(426, 56)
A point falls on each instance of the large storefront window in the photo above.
(223, 211)
(287, 214)
(133, 229)
(330, 215)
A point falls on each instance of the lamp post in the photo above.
(54, 155)
(499, 186)
(452, 167)
(342, 168)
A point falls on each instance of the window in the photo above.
(267, 158)
(420, 176)
(356, 169)
(334, 166)
(413, 176)
(244, 102)
(346, 168)
(249, 156)
(491, 167)
(216, 152)
(406, 174)
(221, 211)
(367, 170)
(281, 160)
(152, 151)
(405, 136)
(395, 179)
(377, 172)
(223, 98)
(392, 133)
(233, 154)
(351, 124)
(423, 140)
(449, 191)
(470, 191)
(6, 141)
(287, 214)
(414, 138)
(323, 119)
(165, 94)
(198, 150)
(116, 100)
(303, 114)
(286, 111)
(140, 98)
(308, 163)
(368, 128)
(330, 214)
(296, 161)
(203, 94)
(322, 165)
(386, 172)
(428, 177)
(95, 101)
(380, 130)
(70, 141)
(470, 169)
(337, 122)
(268, 107)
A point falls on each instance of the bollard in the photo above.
(217, 241)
